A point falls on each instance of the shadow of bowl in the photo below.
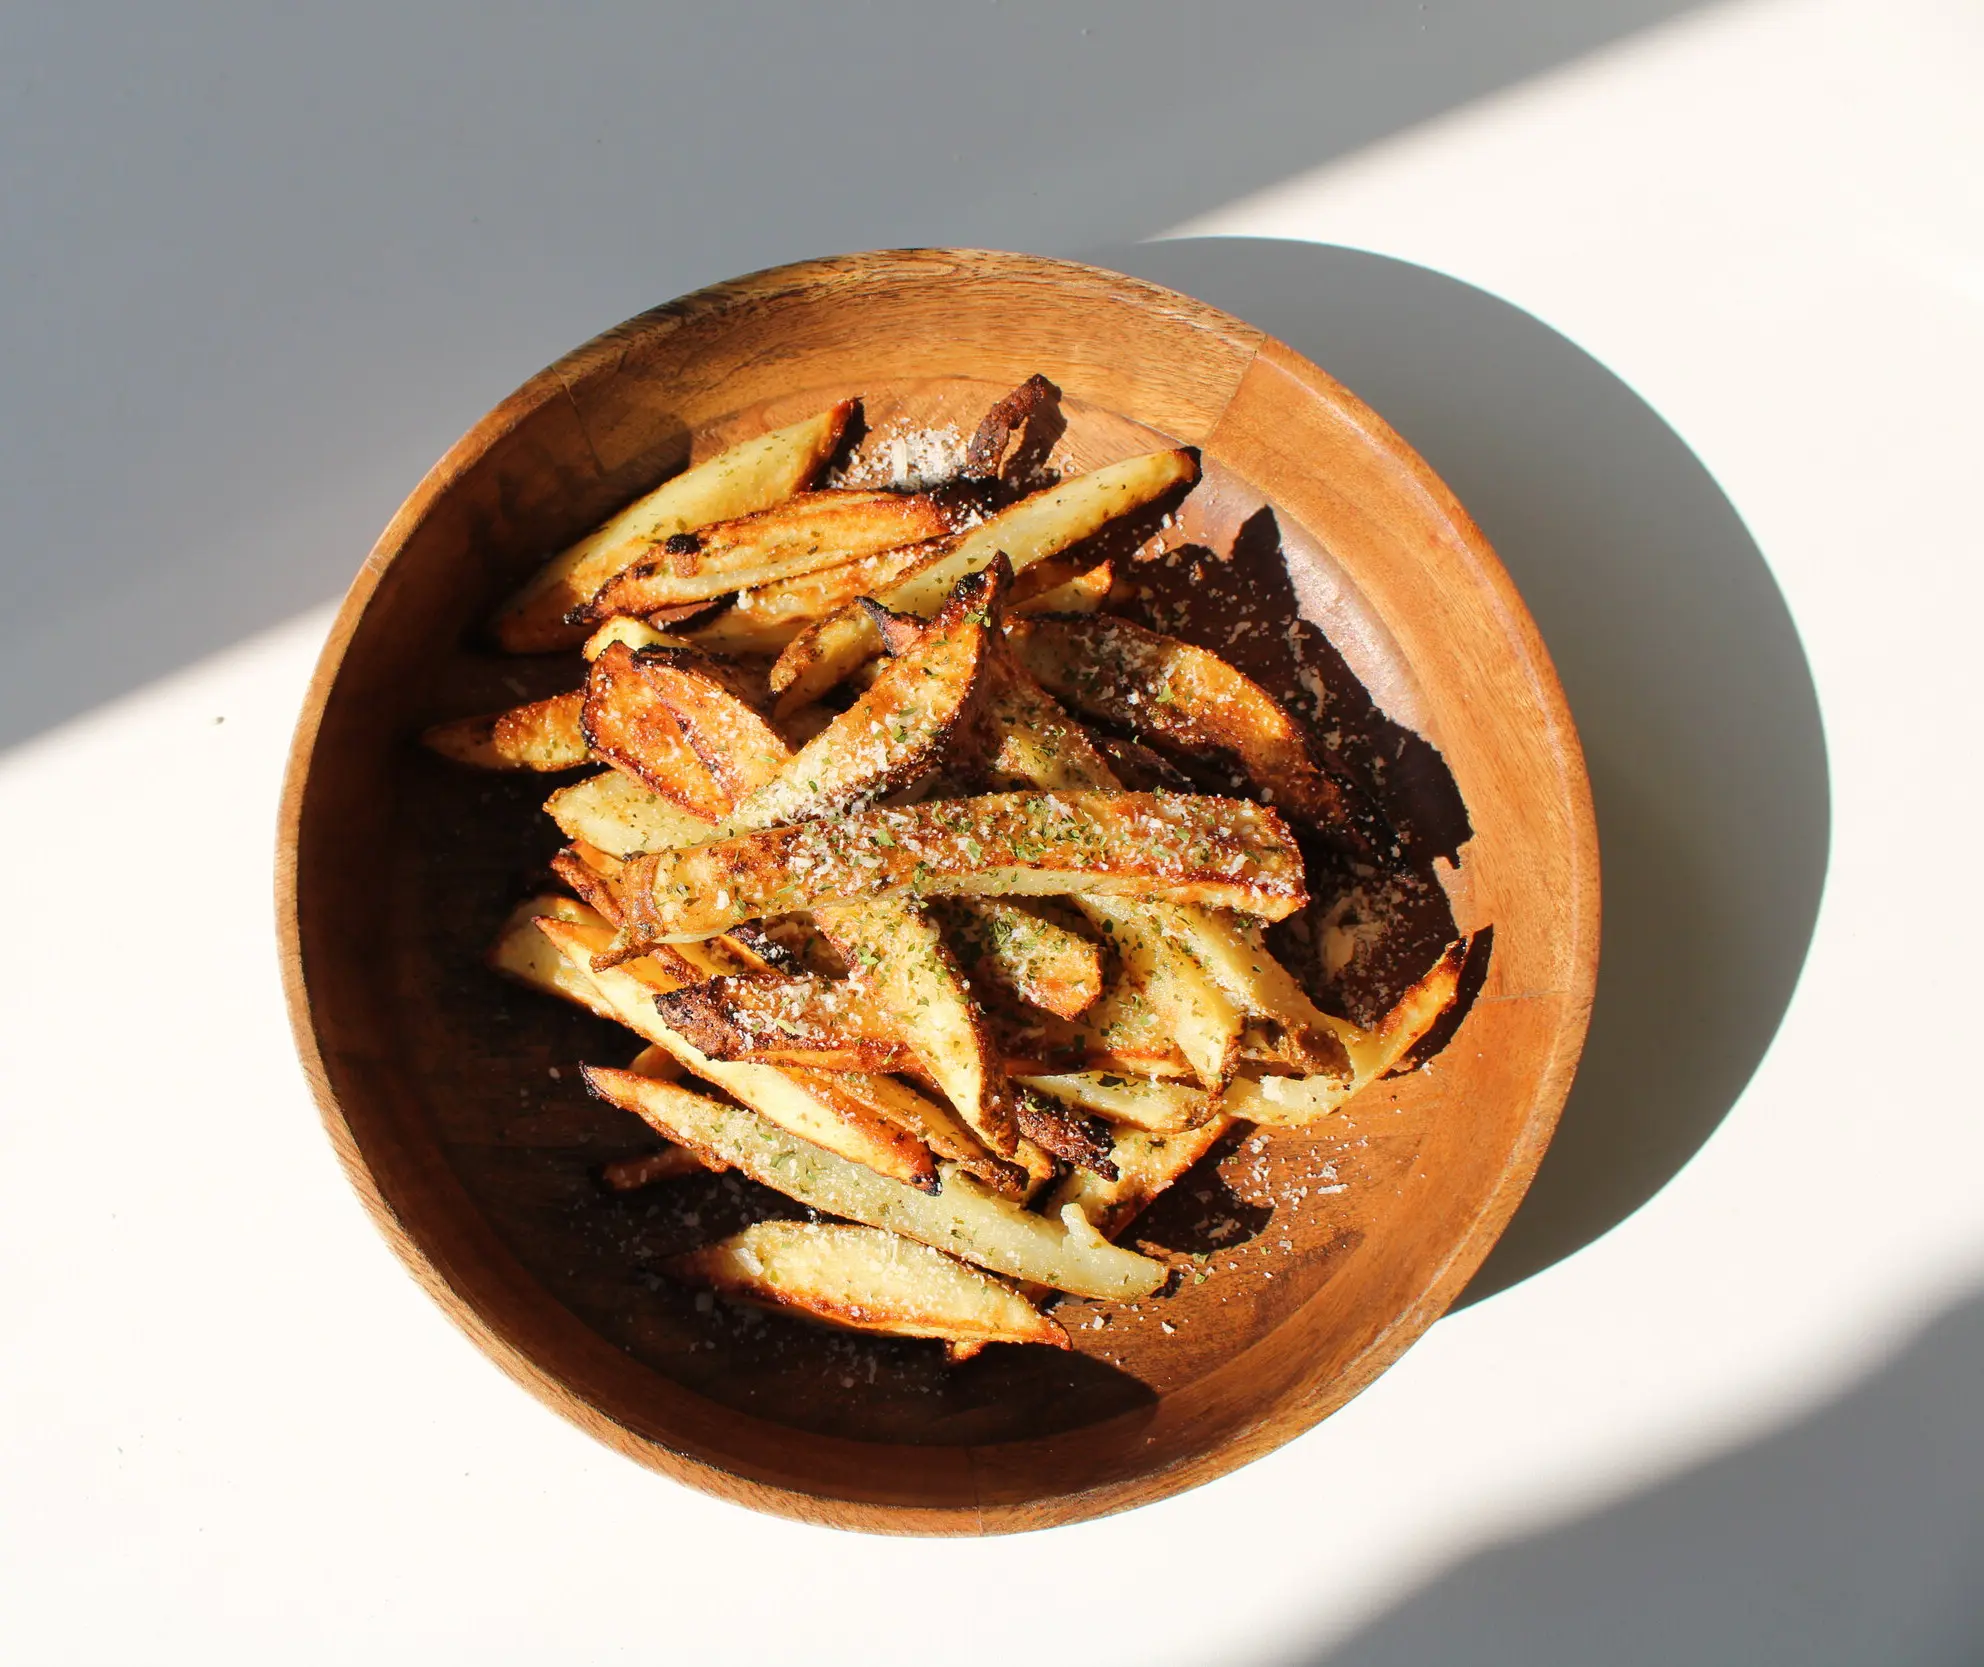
(1691, 691)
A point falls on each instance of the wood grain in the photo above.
(1309, 1262)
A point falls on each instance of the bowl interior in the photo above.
(1326, 562)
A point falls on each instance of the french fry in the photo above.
(637, 634)
(829, 1024)
(543, 735)
(914, 976)
(1148, 1162)
(731, 741)
(628, 723)
(1068, 1134)
(1011, 946)
(1032, 530)
(808, 532)
(1081, 593)
(964, 1218)
(897, 731)
(1146, 1165)
(1189, 698)
(1134, 1101)
(766, 620)
(750, 476)
(1224, 852)
(617, 814)
(811, 1106)
(866, 1279)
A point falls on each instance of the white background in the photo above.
(255, 276)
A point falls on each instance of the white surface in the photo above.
(230, 1426)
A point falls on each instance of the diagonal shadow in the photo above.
(1684, 671)
(1854, 1536)
(252, 293)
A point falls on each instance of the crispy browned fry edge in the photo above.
(1082, 1141)
(1187, 697)
(1138, 767)
(866, 1279)
(832, 1025)
(751, 475)
(947, 1135)
(629, 724)
(725, 732)
(987, 447)
(543, 735)
(806, 533)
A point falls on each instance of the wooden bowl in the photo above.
(1315, 1258)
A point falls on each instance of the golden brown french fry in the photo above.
(1138, 1102)
(865, 1279)
(899, 729)
(1189, 698)
(1081, 593)
(750, 476)
(734, 744)
(1014, 948)
(1224, 852)
(963, 1218)
(808, 532)
(543, 735)
(617, 814)
(1032, 530)
(829, 1024)
(628, 723)
(909, 968)
(637, 634)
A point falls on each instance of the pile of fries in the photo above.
(971, 982)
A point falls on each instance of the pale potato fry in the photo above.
(1032, 530)
(543, 735)
(808, 532)
(1225, 852)
(964, 1218)
(1081, 593)
(826, 653)
(1189, 698)
(806, 1105)
(628, 723)
(618, 815)
(1138, 1102)
(865, 1279)
(1011, 946)
(750, 476)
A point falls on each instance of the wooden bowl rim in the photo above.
(1293, 1415)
